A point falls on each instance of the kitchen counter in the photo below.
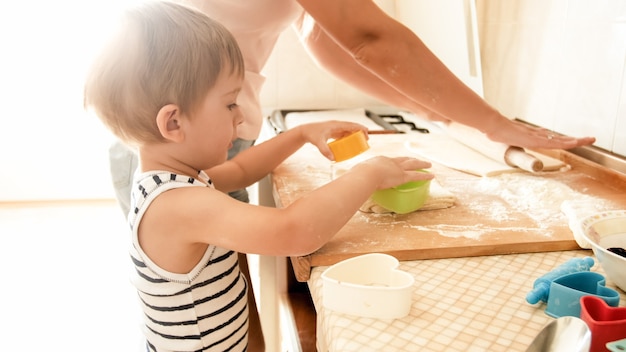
(473, 263)
(458, 304)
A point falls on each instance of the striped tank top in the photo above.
(203, 310)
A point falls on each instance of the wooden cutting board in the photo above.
(505, 214)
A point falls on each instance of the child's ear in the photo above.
(168, 121)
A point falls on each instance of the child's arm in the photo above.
(309, 222)
(254, 163)
(179, 223)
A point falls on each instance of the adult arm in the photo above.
(395, 56)
(337, 61)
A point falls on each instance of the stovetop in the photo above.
(389, 122)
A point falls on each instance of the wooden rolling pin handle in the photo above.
(515, 156)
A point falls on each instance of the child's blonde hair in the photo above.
(163, 53)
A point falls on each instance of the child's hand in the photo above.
(396, 171)
(319, 133)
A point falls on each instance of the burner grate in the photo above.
(402, 124)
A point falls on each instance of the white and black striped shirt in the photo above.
(203, 310)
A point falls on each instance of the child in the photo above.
(167, 84)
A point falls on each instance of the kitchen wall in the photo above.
(559, 64)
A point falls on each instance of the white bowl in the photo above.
(368, 285)
(605, 230)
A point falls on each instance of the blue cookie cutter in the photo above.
(566, 291)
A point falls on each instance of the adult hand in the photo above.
(526, 136)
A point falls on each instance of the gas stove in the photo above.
(386, 123)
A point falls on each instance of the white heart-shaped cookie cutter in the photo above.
(368, 285)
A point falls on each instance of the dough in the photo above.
(449, 148)
(439, 198)
(455, 155)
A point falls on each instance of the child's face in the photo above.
(214, 125)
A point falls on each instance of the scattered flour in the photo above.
(456, 231)
(548, 202)
(540, 198)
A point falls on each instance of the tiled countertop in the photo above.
(459, 304)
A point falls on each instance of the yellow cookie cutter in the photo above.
(349, 146)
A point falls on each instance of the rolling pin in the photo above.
(516, 156)
(510, 155)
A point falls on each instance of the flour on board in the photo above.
(537, 197)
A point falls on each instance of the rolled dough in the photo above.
(448, 149)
